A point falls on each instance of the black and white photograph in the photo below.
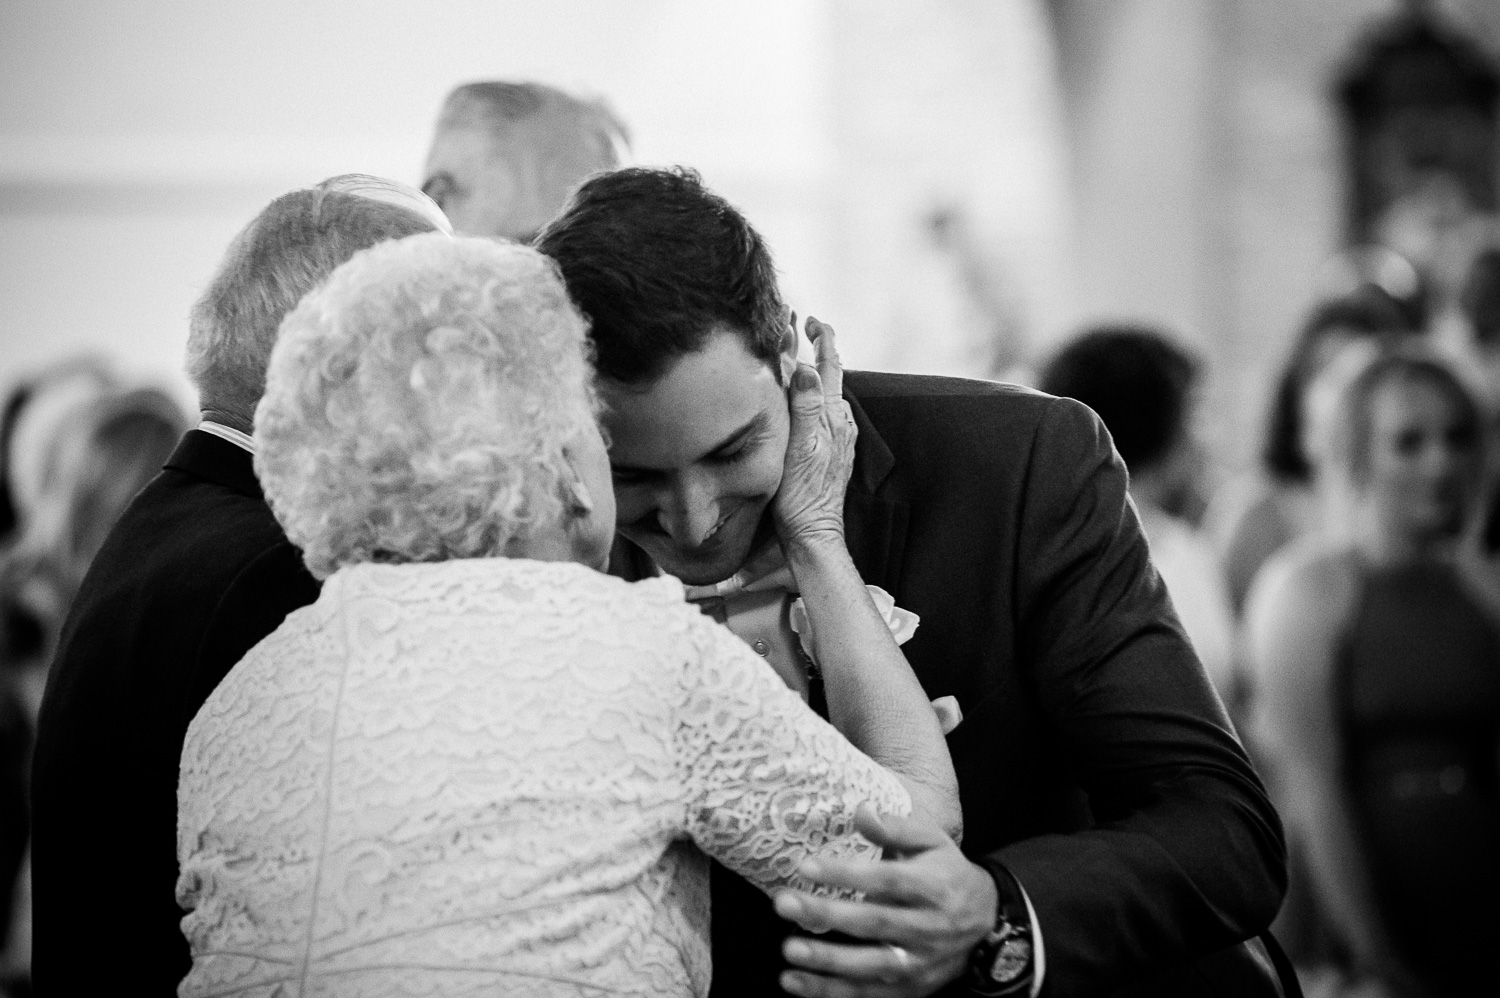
(703, 499)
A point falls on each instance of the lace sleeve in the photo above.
(770, 783)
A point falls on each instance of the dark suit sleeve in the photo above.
(1186, 854)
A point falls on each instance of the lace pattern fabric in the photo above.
(488, 777)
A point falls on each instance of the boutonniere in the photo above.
(902, 623)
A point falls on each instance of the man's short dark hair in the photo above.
(1136, 379)
(657, 262)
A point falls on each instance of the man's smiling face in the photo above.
(697, 457)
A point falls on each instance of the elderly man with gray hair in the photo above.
(195, 572)
(506, 156)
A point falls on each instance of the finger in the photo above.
(826, 354)
(792, 329)
(861, 919)
(879, 963)
(894, 833)
(886, 883)
(806, 393)
(798, 982)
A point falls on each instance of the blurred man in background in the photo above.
(1143, 386)
(506, 156)
(195, 572)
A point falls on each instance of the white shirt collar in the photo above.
(239, 438)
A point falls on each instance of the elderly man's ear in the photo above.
(439, 187)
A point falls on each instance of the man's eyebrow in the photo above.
(754, 425)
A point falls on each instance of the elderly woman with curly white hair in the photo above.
(477, 764)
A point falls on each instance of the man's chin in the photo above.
(700, 572)
(699, 569)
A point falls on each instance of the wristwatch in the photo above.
(1004, 961)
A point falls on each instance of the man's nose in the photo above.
(691, 512)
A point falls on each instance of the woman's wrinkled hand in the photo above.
(809, 506)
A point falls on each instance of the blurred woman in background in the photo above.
(1255, 521)
(1478, 311)
(27, 417)
(78, 448)
(1377, 669)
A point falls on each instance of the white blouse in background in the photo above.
(488, 777)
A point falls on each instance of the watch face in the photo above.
(1011, 960)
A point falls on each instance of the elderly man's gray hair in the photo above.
(506, 156)
(287, 250)
(498, 104)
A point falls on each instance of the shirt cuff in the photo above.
(1008, 886)
(1038, 949)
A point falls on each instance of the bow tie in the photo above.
(753, 601)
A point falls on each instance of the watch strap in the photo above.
(1004, 961)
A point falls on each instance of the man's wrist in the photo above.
(1005, 962)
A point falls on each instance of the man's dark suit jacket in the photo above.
(1094, 760)
(194, 574)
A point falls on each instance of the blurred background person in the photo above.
(506, 156)
(98, 455)
(1479, 304)
(84, 448)
(1476, 314)
(1144, 386)
(1376, 687)
(1255, 518)
(33, 413)
(29, 410)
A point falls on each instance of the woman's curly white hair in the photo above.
(418, 403)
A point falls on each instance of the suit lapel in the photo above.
(875, 533)
(874, 527)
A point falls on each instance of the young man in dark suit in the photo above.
(195, 572)
(1115, 835)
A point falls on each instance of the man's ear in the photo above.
(439, 187)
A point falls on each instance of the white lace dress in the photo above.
(488, 778)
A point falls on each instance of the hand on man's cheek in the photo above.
(819, 457)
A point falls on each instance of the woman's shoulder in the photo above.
(1309, 570)
(513, 582)
(1314, 560)
(1302, 602)
(1253, 510)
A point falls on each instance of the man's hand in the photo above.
(820, 450)
(925, 908)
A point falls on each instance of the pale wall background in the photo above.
(1174, 161)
